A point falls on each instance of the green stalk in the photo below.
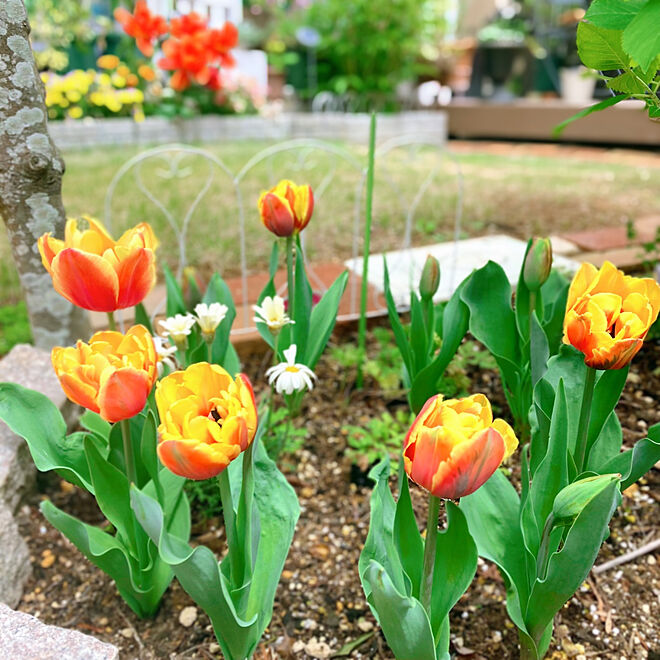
(229, 515)
(585, 416)
(426, 587)
(362, 327)
(111, 321)
(247, 497)
(289, 274)
(128, 451)
(544, 548)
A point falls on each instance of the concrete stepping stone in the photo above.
(23, 636)
(457, 260)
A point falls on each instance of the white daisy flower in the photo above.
(272, 313)
(209, 317)
(290, 377)
(165, 353)
(178, 327)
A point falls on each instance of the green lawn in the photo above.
(517, 194)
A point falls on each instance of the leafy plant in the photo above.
(14, 326)
(282, 438)
(380, 437)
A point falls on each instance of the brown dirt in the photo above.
(320, 605)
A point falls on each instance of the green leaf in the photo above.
(600, 48)
(418, 336)
(606, 446)
(142, 317)
(142, 591)
(35, 418)
(554, 293)
(641, 38)
(596, 107)
(539, 351)
(95, 424)
(323, 319)
(613, 14)
(148, 453)
(453, 571)
(194, 294)
(302, 304)
(569, 567)
(269, 291)
(348, 648)
(403, 619)
(636, 462)
(222, 350)
(407, 538)
(627, 83)
(175, 303)
(455, 321)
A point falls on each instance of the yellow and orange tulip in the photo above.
(608, 314)
(287, 208)
(112, 375)
(454, 446)
(207, 419)
(94, 272)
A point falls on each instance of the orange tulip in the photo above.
(112, 375)
(143, 25)
(608, 314)
(207, 419)
(454, 446)
(287, 208)
(94, 272)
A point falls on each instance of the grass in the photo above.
(519, 194)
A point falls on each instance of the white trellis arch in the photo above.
(174, 163)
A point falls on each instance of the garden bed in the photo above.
(320, 606)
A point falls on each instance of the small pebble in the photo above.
(188, 616)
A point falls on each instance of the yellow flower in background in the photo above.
(608, 314)
(132, 80)
(146, 72)
(107, 62)
(123, 70)
(76, 112)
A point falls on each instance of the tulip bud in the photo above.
(572, 499)
(430, 279)
(538, 263)
(276, 215)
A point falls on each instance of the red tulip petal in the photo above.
(137, 276)
(191, 459)
(123, 394)
(469, 466)
(86, 280)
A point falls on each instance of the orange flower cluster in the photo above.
(194, 52)
(144, 26)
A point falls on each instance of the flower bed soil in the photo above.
(320, 605)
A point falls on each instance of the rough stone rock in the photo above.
(15, 565)
(24, 636)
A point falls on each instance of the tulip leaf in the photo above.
(539, 350)
(238, 618)
(636, 462)
(142, 591)
(175, 303)
(569, 567)
(380, 545)
(149, 454)
(323, 319)
(493, 513)
(410, 546)
(453, 571)
(142, 318)
(269, 291)
(223, 353)
(418, 336)
(302, 304)
(194, 296)
(400, 336)
(455, 321)
(35, 418)
(402, 618)
(95, 424)
(554, 293)
(607, 445)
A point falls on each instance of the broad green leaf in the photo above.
(601, 49)
(406, 534)
(539, 351)
(222, 351)
(400, 336)
(402, 618)
(94, 423)
(175, 302)
(596, 107)
(493, 514)
(453, 570)
(636, 462)
(302, 304)
(627, 83)
(418, 336)
(554, 293)
(607, 445)
(141, 591)
(142, 318)
(35, 418)
(613, 14)
(641, 38)
(269, 291)
(569, 567)
(455, 321)
(323, 319)
(194, 294)
(148, 453)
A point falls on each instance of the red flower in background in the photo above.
(191, 23)
(221, 41)
(144, 26)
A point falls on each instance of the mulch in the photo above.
(320, 606)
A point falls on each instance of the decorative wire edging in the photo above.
(173, 158)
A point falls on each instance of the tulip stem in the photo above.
(289, 275)
(112, 324)
(229, 515)
(426, 588)
(585, 416)
(128, 451)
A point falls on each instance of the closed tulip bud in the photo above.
(430, 279)
(287, 208)
(572, 499)
(538, 263)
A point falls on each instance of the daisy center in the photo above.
(293, 369)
